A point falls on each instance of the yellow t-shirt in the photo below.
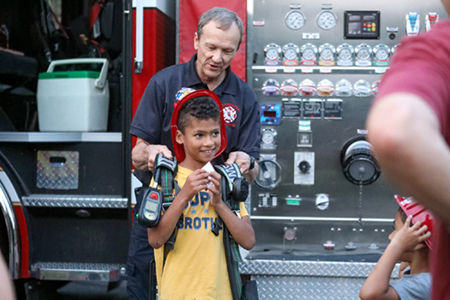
(196, 268)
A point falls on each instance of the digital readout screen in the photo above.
(270, 113)
(362, 25)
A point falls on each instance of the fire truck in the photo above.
(72, 74)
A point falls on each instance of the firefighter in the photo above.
(217, 40)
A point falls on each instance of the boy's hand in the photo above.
(195, 182)
(411, 238)
(214, 189)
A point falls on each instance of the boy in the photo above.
(407, 245)
(196, 267)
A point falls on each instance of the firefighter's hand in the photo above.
(243, 161)
(153, 150)
(195, 182)
(214, 189)
(241, 158)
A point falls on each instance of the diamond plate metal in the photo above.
(74, 266)
(309, 268)
(317, 288)
(278, 279)
(79, 201)
(76, 271)
(57, 170)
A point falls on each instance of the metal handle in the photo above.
(99, 82)
(138, 60)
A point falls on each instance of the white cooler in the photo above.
(73, 100)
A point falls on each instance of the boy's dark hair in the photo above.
(403, 215)
(201, 108)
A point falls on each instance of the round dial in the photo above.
(268, 137)
(272, 53)
(290, 54)
(345, 54)
(326, 54)
(326, 20)
(308, 54)
(363, 54)
(295, 19)
(382, 54)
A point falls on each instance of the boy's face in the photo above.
(398, 224)
(201, 141)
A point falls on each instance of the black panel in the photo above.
(362, 25)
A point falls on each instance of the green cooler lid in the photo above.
(69, 74)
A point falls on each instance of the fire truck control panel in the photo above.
(320, 201)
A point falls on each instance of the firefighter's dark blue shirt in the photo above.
(240, 107)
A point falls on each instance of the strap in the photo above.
(232, 254)
(165, 170)
(95, 12)
(230, 173)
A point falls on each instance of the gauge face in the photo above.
(290, 54)
(308, 54)
(295, 20)
(345, 54)
(363, 54)
(326, 20)
(326, 54)
(381, 54)
(268, 137)
(272, 53)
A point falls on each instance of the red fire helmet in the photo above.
(418, 213)
(184, 95)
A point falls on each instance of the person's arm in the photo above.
(376, 286)
(159, 234)
(240, 228)
(243, 161)
(406, 138)
(143, 154)
(6, 287)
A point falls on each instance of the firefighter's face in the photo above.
(201, 141)
(215, 50)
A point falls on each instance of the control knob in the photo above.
(304, 166)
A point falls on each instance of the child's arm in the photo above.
(406, 239)
(241, 229)
(159, 234)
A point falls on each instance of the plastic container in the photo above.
(73, 100)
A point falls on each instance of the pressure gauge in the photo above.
(272, 54)
(326, 20)
(290, 52)
(289, 88)
(326, 54)
(381, 54)
(307, 88)
(325, 88)
(343, 88)
(268, 136)
(363, 55)
(375, 87)
(271, 87)
(309, 54)
(295, 19)
(345, 55)
(362, 88)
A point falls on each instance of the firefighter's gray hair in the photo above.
(224, 17)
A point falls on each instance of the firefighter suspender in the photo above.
(234, 189)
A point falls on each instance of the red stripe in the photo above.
(24, 245)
